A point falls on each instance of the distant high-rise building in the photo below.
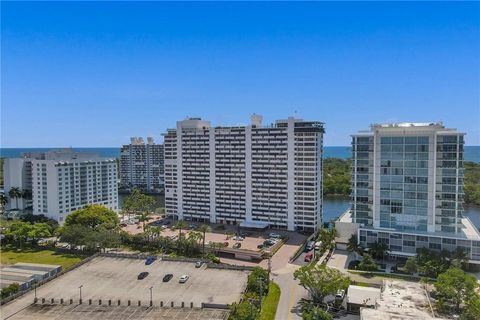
(254, 176)
(62, 181)
(141, 164)
(407, 189)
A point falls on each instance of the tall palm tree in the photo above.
(15, 193)
(353, 245)
(378, 249)
(203, 229)
(3, 201)
(180, 225)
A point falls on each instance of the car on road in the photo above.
(308, 257)
(167, 277)
(260, 246)
(191, 226)
(274, 235)
(183, 278)
(150, 260)
(142, 275)
(198, 264)
(310, 245)
(318, 245)
(237, 245)
(225, 244)
(238, 238)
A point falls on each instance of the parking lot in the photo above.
(116, 278)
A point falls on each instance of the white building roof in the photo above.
(366, 296)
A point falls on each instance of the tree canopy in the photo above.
(321, 281)
(455, 286)
(93, 216)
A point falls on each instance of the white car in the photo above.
(183, 278)
(274, 235)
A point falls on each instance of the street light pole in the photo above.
(151, 296)
(80, 293)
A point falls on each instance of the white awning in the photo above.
(254, 224)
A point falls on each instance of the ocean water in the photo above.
(472, 153)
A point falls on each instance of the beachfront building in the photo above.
(17, 177)
(141, 165)
(252, 176)
(63, 181)
(407, 189)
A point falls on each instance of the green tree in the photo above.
(244, 310)
(367, 263)
(75, 234)
(9, 290)
(378, 250)
(471, 311)
(327, 237)
(258, 281)
(455, 286)
(312, 312)
(411, 265)
(354, 246)
(180, 225)
(320, 281)
(20, 230)
(93, 216)
(3, 201)
(139, 203)
(431, 262)
(102, 239)
(38, 231)
(15, 193)
(336, 177)
(203, 229)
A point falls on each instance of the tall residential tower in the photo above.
(254, 175)
(141, 164)
(407, 189)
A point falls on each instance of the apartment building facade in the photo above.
(63, 181)
(253, 176)
(407, 189)
(141, 165)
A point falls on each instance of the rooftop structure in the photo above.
(400, 300)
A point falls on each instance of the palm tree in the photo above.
(180, 225)
(3, 201)
(15, 193)
(203, 229)
(353, 245)
(378, 250)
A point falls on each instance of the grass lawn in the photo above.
(40, 255)
(270, 302)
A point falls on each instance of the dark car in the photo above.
(260, 246)
(237, 245)
(167, 277)
(150, 260)
(142, 275)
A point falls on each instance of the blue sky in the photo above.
(96, 73)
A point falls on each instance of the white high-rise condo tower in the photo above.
(141, 164)
(63, 181)
(407, 189)
(252, 176)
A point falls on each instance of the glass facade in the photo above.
(362, 179)
(404, 182)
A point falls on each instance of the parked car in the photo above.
(225, 244)
(183, 278)
(260, 246)
(198, 264)
(274, 235)
(310, 245)
(237, 245)
(238, 238)
(123, 225)
(318, 245)
(308, 257)
(142, 275)
(191, 226)
(340, 295)
(150, 260)
(167, 277)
